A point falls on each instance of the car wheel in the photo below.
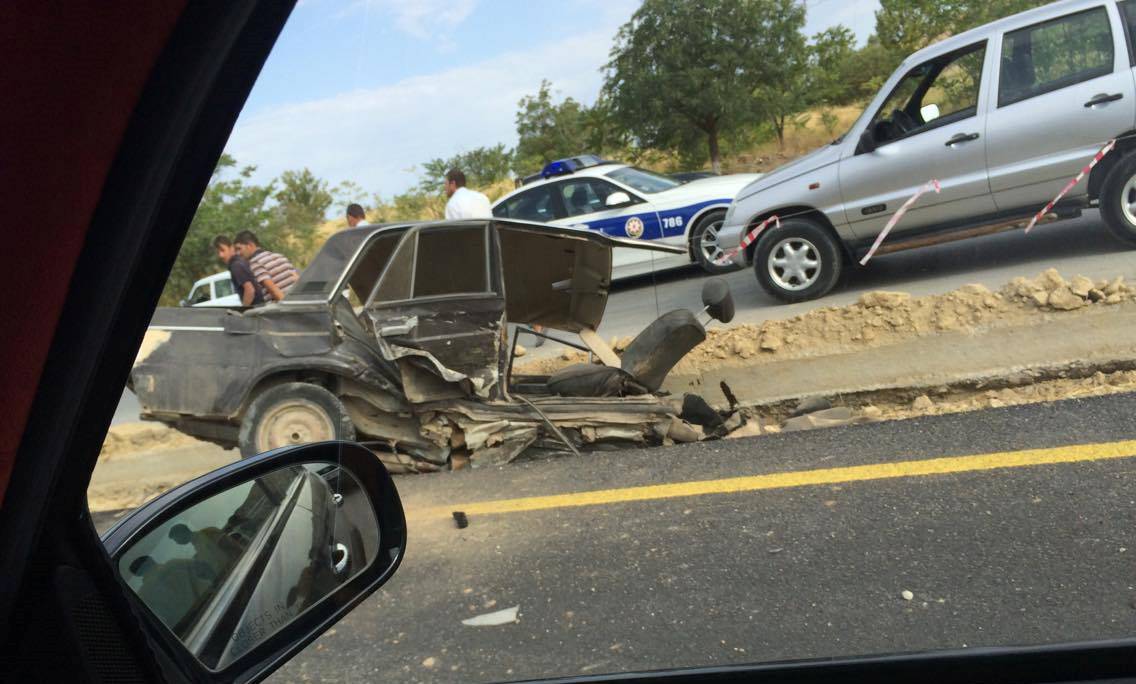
(799, 261)
(704, 243)
(1118, 199)
(293, 413)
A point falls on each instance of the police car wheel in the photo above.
(705, 245)
(797, 262)
(293, 413)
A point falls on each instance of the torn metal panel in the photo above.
(505, 448)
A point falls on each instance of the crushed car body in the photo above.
(398, 336)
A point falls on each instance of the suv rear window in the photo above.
(1055, 54)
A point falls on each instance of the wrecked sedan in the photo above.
(397, 336)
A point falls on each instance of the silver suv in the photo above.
(1003, 116)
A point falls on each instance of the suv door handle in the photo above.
(961, 138)
(1103, 98)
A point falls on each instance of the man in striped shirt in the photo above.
(273, 271)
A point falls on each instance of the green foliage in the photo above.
(904, 26)
(832, 56)
(683, 66)
(230, 204)
(302, 203)
(481, 166)
(547, 130)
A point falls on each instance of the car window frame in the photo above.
(921, 90)
(491, 279)
(1055, 85)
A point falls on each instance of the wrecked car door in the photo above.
(438, 311)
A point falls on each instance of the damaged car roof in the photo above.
(554, 276)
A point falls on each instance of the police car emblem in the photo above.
(634, 227)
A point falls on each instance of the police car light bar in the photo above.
(562, 167)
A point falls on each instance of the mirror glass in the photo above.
(929, 112)
(228, 572)
(616, 199)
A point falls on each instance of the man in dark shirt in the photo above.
(244, 283)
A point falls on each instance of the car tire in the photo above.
(704, 243)
(293, 413)
(796, 243)
(1118, 199)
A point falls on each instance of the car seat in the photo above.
(644, 364)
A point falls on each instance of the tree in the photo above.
(547, 131)
(228, 206)
(302, 200)
(904, 26)
(680, 66)
(482, 166)
(831, 54)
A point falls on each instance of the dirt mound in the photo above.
(881, 318)
(132, 437)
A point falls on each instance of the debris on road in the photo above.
(461, 520)
(494, 619)
(907, 595)
(881, 318)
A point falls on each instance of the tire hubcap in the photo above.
(794, 264)
(297, 422)
(708, 244)
(1128, 200)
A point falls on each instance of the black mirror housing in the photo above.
(718, 300)
(867, 141)
(371, 496)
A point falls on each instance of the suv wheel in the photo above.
(704, 243)
(293, 413)
(799, 261)
(1118, 199)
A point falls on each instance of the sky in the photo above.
(365, 90)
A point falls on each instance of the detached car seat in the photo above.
(643, 366)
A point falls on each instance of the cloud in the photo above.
(375, 136)
(422, 19)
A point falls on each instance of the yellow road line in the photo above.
(802, 478)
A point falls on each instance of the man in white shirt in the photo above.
(356, 216)
(464, 203)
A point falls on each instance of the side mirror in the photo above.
(718, 300)
(243, 567)
(617, 199)
(929, 112)
(867, 140)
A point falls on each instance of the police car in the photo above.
(624, 201)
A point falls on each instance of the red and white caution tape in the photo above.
(747, 240)
(930, 185)
(1069, 186)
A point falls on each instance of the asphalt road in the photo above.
(806, 556)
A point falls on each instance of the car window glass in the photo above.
(451, 261)
(938, 91)
(538, 204)
(580, 197)
(200, 294)
(641, 180)
(397, 280)
(1055, 54)
(1128, 15)
(223, 287)
(955, 89)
